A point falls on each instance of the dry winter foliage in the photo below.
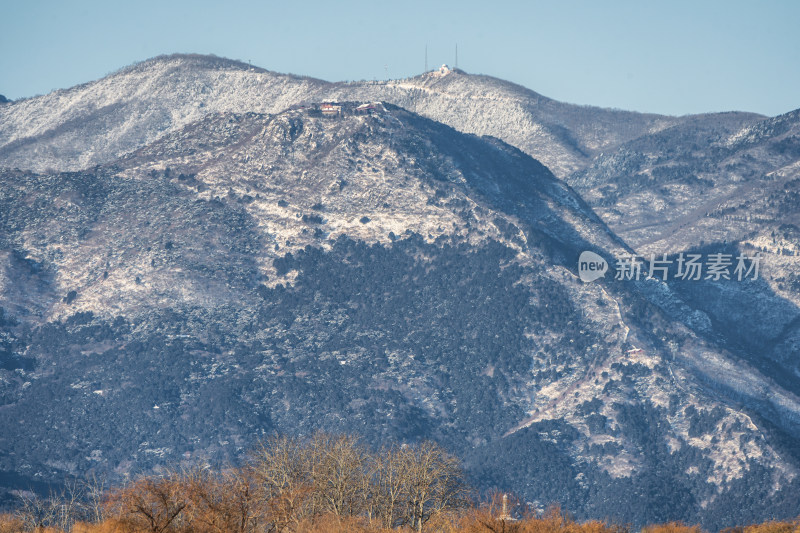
(324, 484)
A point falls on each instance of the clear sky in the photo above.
(672, 57)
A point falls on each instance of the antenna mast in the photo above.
(426, 58)
(456, 65)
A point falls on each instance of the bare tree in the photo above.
(287, 485)
(338, 467)
(243, 499)
(36, 512)
(281, 481)
(335, 474)
(221, 503)
(435, 483)
(389, 484)
(58, 510)
(70, 505)
(94, 491)
(153, 504)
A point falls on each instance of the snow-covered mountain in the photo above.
(375, 273)
(194, 254)
(99, 121)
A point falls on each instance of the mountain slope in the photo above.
(381, 274)
(727, 185)
(748, 204)
(693, 181)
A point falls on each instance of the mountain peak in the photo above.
(199, 62)
(187, 59)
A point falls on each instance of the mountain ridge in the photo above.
(561, 135)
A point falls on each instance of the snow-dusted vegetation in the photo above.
(196, 253)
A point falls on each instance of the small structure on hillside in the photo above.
(366, 109)
(442, 71)
(331, 109)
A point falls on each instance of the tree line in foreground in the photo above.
(326, 483)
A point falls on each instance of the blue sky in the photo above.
(671, 57)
